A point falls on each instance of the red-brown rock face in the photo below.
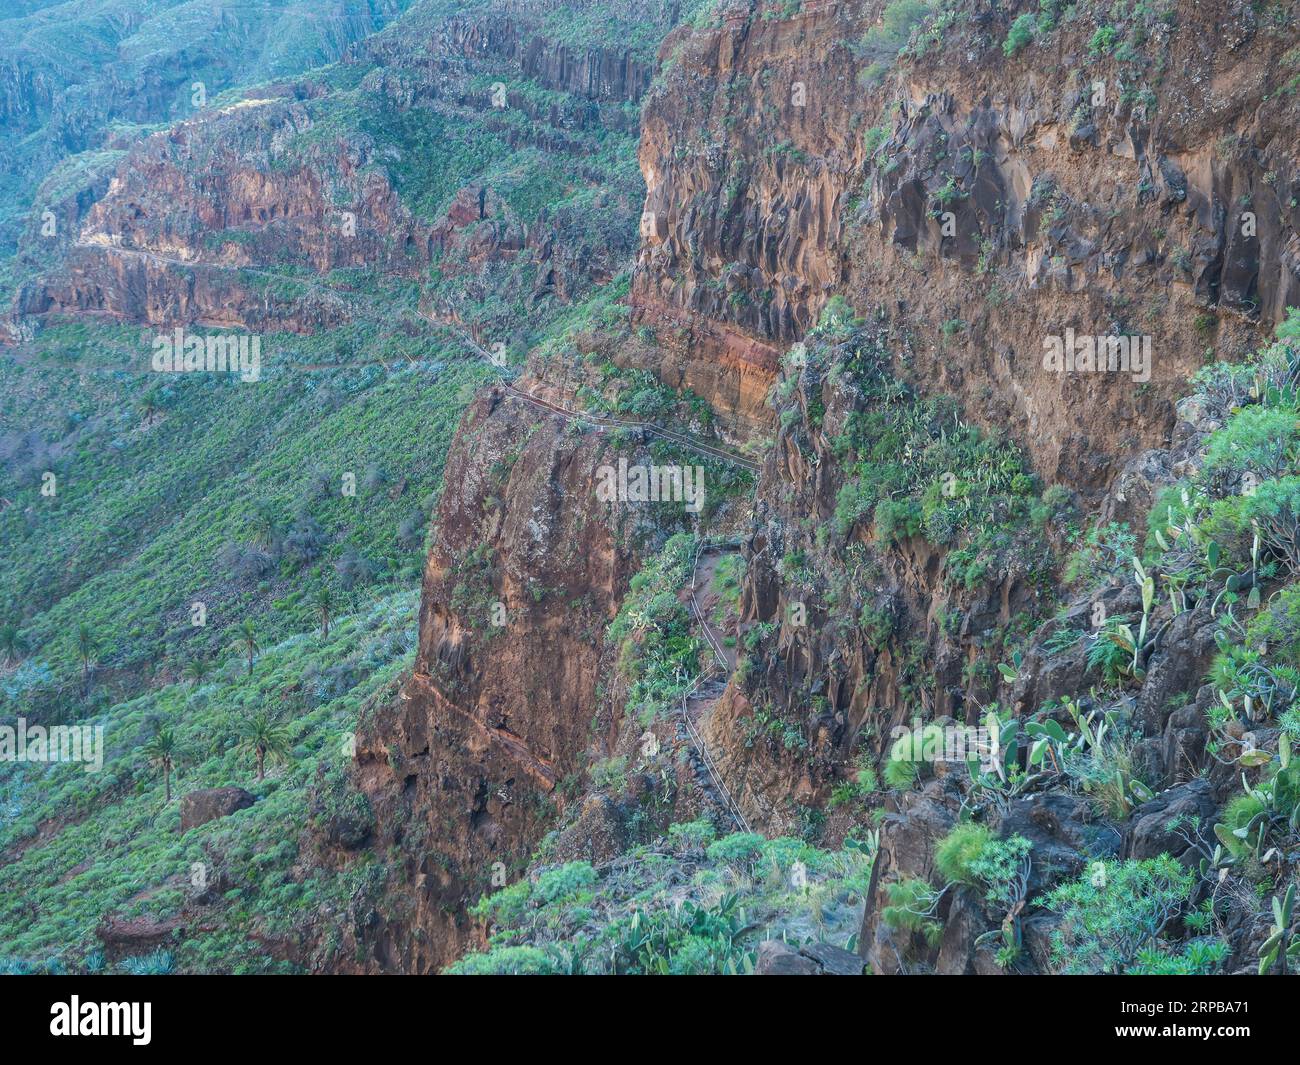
(991, 201)
(463, 770)
(750, 146)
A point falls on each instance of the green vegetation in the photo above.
(669, 908)
(918, 469)
(954, 855)
(234, 496)
(1020, 35)
(658, 651)
(912, 752)
(178, 737)
(1115, 911)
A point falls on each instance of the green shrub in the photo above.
(855, 499)
(909, 752)
(877, 625)
(1278, 626)
(1002, 868)
(565, 882)
(1227, 523)
(695, 835)
(957, 850)
(1103, 40)
(739, 847)
(1257, 439)
(1275, 511)
(899, 18)
(506, 905)
(504, 961)
(911, 909)
(1201, 958)
(896, 520)
(1107, 550)
(1114, 911)
(1021, 33)
(837, 317)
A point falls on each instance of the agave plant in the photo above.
(1282, 945)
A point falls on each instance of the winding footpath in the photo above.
(698, 694)
(597, 421)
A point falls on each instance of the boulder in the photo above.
(834, 961)
(207, 804)
(1149, 834)
(779, 959)
(815, 959)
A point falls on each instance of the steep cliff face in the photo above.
(1141, 188)
(463, 769)
(750, 148)
(281, 210)
(514, 692)
(993, 215)
(914, 229)
(1137, 189)
(190, 207)
(1027, 201)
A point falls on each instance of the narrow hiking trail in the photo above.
(713, 681)
(599, 422)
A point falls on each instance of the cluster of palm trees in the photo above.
(261, 735)
(247, 641)
(13, 645)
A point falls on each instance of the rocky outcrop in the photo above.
(208, 804)
(464, 770)
(277, 214)
(993, 205)
(1103, 198)
(816, 959)
(749, 150)
(66, 80)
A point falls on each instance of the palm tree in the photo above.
(161, 753)
(263, 737)
(265, 529)
(247, 638)
(325, 607)
(87, 647)
(196, 670)
(12, 645)
(149, 406)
